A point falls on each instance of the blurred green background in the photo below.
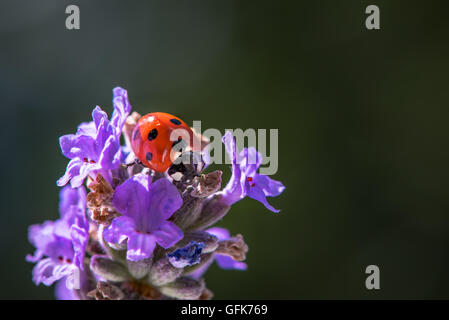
(362, 118)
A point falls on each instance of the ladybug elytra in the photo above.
(158, 137)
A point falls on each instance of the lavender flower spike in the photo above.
(61, 244)
(145, 208)
(145, 236)
(96, 145)
(245, 181)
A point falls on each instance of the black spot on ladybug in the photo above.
(136, 134)
(149, 156)
(152, 135)
(175, 121)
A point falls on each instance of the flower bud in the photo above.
(162, 272)
(194, 196)
(189, 212)
(213, 210)
(109, 269)
(139, 269)
(184, 288)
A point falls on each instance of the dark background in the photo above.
(362, 118)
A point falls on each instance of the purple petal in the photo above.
(165, 200)
(230, 146)
(40, 235)
(122, 108)
(72, 201)
(220, 233)
(198, 273)
(73, 169)
(43, 270)
(60, 247)
(80, 238)
(38, 254)
(258, 194)
(110, 155)
(226, 262)
(140, 246)
(250, 160)
(63, 293)
(47, 271)
(120, 229)
(149, 205)
(104, 131)
(78, 146)
(61, 229)
(131, 197)
(85, 170)
(99, 117)
(87, 128)
(168, 234)
(233, 191)
(270, 187)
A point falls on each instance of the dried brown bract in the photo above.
(206, 184)
(234, 247)
(99, 201)
(106, 291)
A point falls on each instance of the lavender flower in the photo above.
(61, 244)
(145, 207)
(95, 148)
(245, 181)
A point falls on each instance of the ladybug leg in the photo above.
(136, 161)
(127, 165)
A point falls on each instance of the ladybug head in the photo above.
(187, 166)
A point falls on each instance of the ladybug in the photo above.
(159, 138)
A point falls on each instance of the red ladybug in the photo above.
(154, 139)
